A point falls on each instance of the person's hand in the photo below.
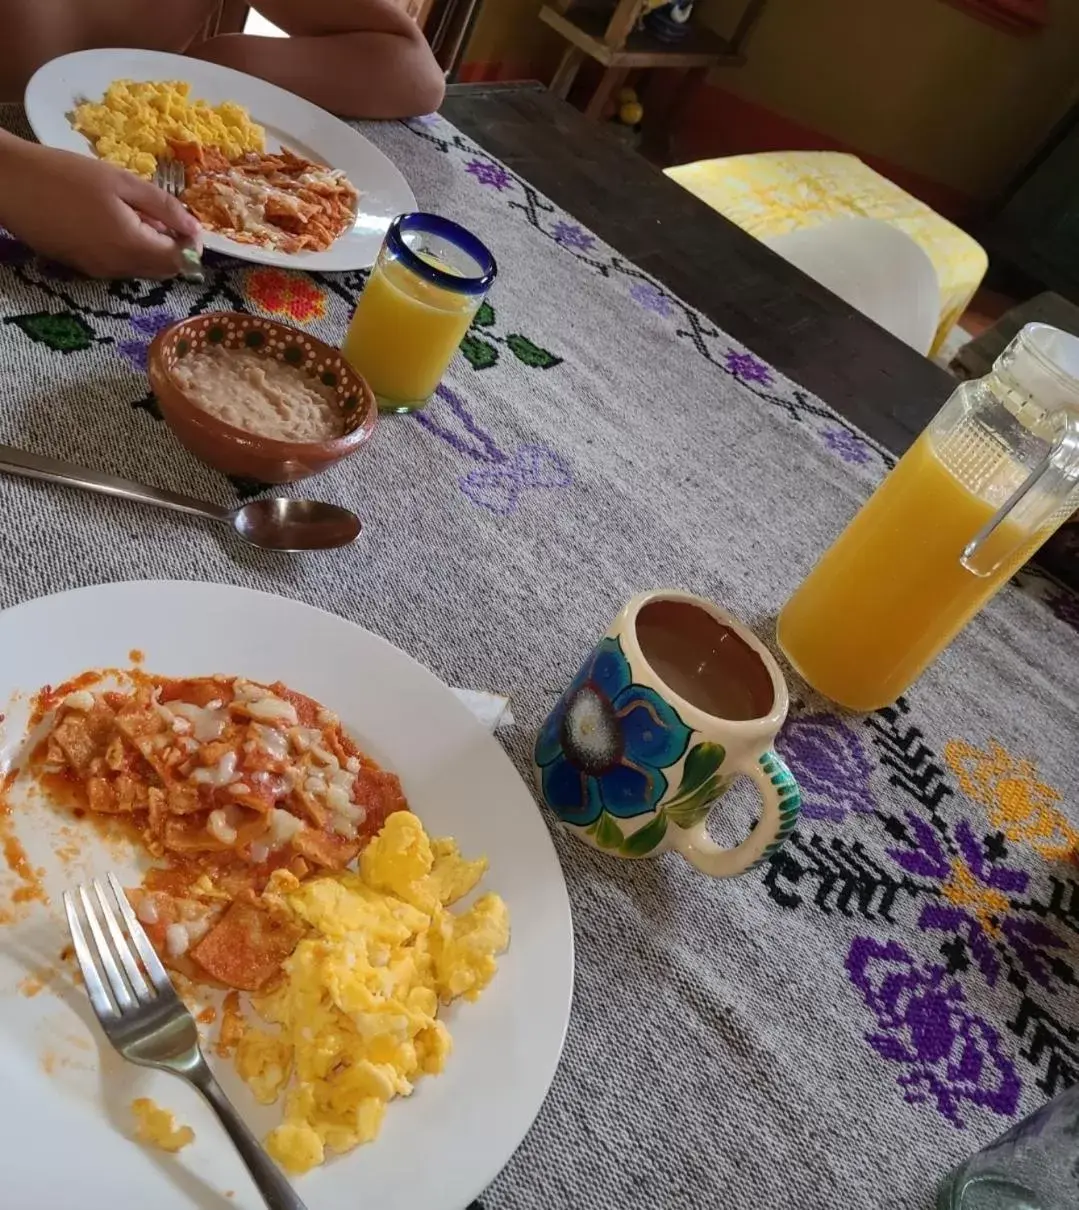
(93, 216)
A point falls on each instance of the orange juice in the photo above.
(891, 592)
(404, 333)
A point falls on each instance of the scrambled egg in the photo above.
(157, 1127)
(132, 125)
(358, 1009)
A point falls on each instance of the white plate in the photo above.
(67, 1095)
(58, 86)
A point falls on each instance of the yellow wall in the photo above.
(916, 82)
(510, 31)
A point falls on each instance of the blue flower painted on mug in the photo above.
(606, 743)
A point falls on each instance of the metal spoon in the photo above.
(280, 523)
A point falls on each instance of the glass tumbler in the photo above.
(1032, 1166)
(427, 284)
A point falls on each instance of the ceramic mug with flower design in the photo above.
(674, 703)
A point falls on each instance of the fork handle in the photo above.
(276, 1191)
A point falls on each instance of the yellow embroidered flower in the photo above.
(1018, 803)
(981, 901)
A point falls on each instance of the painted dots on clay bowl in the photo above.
(236, 451)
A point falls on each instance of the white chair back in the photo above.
(876, 268)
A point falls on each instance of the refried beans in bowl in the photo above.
(258, 399)
(260, 394)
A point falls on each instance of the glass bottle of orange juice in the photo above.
(987, 482)
(427, 284)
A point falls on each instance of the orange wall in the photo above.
(915, 83)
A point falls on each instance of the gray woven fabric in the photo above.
(838, 1027)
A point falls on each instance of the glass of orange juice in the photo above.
(427, 284)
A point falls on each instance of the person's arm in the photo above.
(358, 58)
(93, 216)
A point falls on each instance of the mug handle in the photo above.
(781, 800)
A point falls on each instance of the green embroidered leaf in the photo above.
(480, 353)
(645, 839)
(701, 766)
(531, 354)
(485, 316)
(61, 331)
(608, 833)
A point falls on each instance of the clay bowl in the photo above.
(236, 451)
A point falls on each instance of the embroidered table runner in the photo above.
(894, 986)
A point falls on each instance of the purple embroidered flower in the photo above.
(925, 855)
(147, 324)
(497, 483)
(950, 1055)
(652, 299)
(136, 353)
(488, 173)
(974, 905)
(994, 876)
(847, 446)
(531, 468)
(573, 237)
(747, 367)
(965, 930)
(482, 446)
(830, 762)
(1065, 605)
(1035, 945)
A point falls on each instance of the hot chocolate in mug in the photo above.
(674, 703)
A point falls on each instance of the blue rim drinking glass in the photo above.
(440, 253)
(472, 268)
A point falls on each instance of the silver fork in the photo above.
(148, 1023)
(169, 176)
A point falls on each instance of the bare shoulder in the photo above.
(38, 30)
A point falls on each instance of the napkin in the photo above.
(491, 709)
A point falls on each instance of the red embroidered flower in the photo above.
(279, 292)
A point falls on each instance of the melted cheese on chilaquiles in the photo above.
(225, 781)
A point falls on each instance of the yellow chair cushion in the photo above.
(774, 192)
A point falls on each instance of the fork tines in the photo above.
(118, 977)
(169, 175)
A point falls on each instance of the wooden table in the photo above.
(866, 374)
(801, 328)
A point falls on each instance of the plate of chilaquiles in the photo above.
(346, 878)
(271, 177)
